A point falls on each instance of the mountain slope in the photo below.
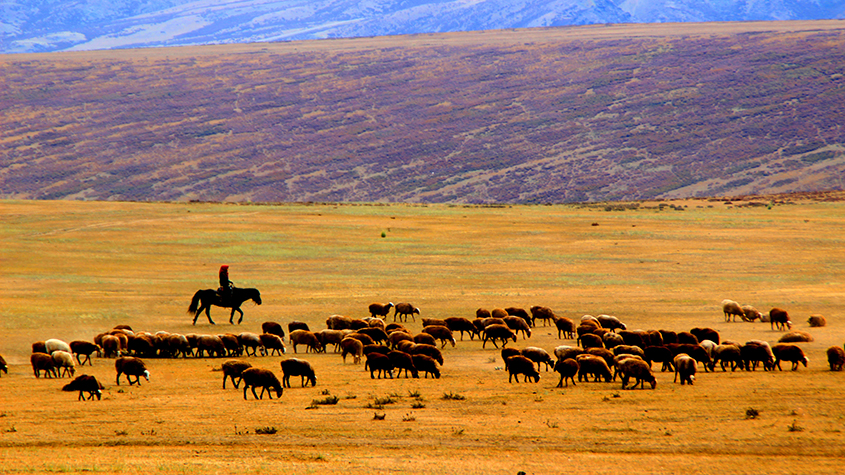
(538, 115)
(55, 25)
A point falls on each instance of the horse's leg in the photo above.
(208, 314)
(242, 315)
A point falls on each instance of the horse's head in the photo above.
(256, 297)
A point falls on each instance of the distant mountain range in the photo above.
(28, 26)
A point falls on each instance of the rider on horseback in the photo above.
(226, 285)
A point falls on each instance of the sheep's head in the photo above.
(653, 382)
(147, 374)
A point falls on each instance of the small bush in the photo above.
(417, 405)
(409, 417)
(265, 430)
(415, 394)
(381, 401)
(752, 413)
(379, 417)
(794, 427)
(450, 396)
(326, 401)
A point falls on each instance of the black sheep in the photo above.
(263, 378)
(379, 362)
(85, 383)
(86, 349)
(233, 369)
(521, 365)
(298, 367)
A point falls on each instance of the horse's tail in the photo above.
(192, 309)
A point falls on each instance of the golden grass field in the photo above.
(75, 269)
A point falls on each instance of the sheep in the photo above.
(393, 327)
(482, 313)
(54, 344)
(339, 322)
(497, 332)
(351, 346)
(687, 338)
(298, 367)
(565, 352)
(565, 327)
(835, 358)
(668, 336)
(695, 351)
(461, 324)
(403, 361)
(64, 363)
(611, 339)
(380, 310)
(295, 325)
(233, 369)
(521, 365)
(567, 369)
(593, 365)
(440, 332)
(546, 314)
(521, 313)
(263, 378)
(375, 322)
(403, 310)
(653, 338)
(507, 353)
(364, 338)
(131, 366)
(727, 354)
(796, 336)
(425, 338)
(539, 356)
(231, 344)
(251, 341)
(611, 323)
(732, 309)
(706, 334)
(498, 313)
(590, 340)
(307, 338)
(429, 350)
(633, 338)
(43, 362)
(629, 350)
(661, 354)
(486, 322)
(750, 313)
(427, 365)
(779, 319)
(398, 336)
(405, 345)
(4, 368)
(141, 345)
(685, 367)
(708, 346)
(817, 321)
(377, 334)
(518, 324)
(604, 353)
(433, 321)
(111, 346)
(637, 369)
(178, 344)
(590, 320)
(792, 353)
(39, 347)
(85, 383)
(376, 349)
(753, 353)
(211, 344)
(379, 362)
(330, 337)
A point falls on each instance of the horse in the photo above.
(204, 299)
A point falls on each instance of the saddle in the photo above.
(225, 293)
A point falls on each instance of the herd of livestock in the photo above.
(605, 349)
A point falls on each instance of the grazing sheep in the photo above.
(380, 310)
(593, 365)
(376, 349)
(131, 366)
(696, 351)
(377, 334)
(398, 336)
(178, 344)
(330, 337)
(732, 309)
(54, 344)
(637, 369)
(685, 366)
(727, 355)
(545, 314)
(351, 346)
(231, 344)
(111, 346)
(392, 327)
(669, 336)
(792, 353)
(590, 320)
(426, 322)
(275, 329)
(521, 313)
(39, 347)
(84, 348)
(590, 340)
(142, 345)
(375, 322)
(440, 332)
(565, 352)
(429, 350)
(706, 334)
(687, 338)
(64, 363)
(295, 325)
(251, 341)
(796, 336)
(565, 327)
(298, 367)
(486, 322)
(507, 353)
(364, 338)
(629, 350)
(403, 361)
(263, 378)
(405, 345)
(43, 362)
(404, 310)
(567, 369)
(611, 323)
(585, 330)
(379, 362)
(427, 365)
(521, 365)
(539, 356)
(4, 368)
(425, 339)
(211, 344)
(498, 313)
(85, 383)
(461, 324)
(835, 358)
(497, 332)
(307, 338)
(634, 338)
(661, 354)
(611, 339)
(755, 352)
(779, 319)
(601, 353)
(817, 321)
(339, 322)
(653, 338)
(233, 369)
(750, 313)
(708, 346)
(482, 313)
(518, 324)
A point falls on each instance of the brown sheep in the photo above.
(131, 366)
(392, 327)
(379, 362)
(351, 346)
(629, 350)
(233, 369)
(211, 344)
(732, 309)
(750, 313)
(817, 321)
(425, 339)
(380, 310)
(4, 368)
(836, 358)
(403, 310)
(427, 365)
(611, 340)
(178, 344)
(331, 337)
(375, 322)
(486, 322)
(427, 322)
(440, 332)
(754, 353)
(590, 340)
(796, 336)
(593, 365)
(263, 378)
(792, 353)
(498, 313)
(274, 328)
(539, 356)
(461, 324)
(364, 338)
(231, 344)
(779, 319)
(376, 349)
(295, 325)
(727, 355)
(39, 347)
(602, 353)
(567, 369)
(539, 312)
(687, 338)
(634, 338)
(43, 362)
(565, 352)
(611, 323)
(339, 322)
(111, 346)
(306, 338)
(637, 369)
(85, 383)
(518, 324)
(697, 352)
(377, 334)
(507, 353)
(403, 361)
(84, 348)
(521, 313)
(483, 313)
(423, 349)
(250, 341)
(298, 367)
(398, 336)
(565, 327)
(706, 334)
(653, 338)
(669, 336)
(521, 365)
(497, 332)
(685, 367)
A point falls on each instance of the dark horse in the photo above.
(204, 299)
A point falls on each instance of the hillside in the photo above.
(541, 115)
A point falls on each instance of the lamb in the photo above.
(727, 354)
(565, 327)
(611, 323)
(379, 362)
(429, 350)
(307, 338)
(593, 365)
(779, 319)
(84, 348)
(750, 313)
(263, 378)
(330, 337)
(661, 354)
(233, 369)
(567, 369)
(817, 321)
(539, 356)
(461, 324)
(403, 310)
(521, 365)
(427, 365)
(442, 333)
(131, 366)
(211, 344)
(497, 332)
(64, 363)
(403, 361)
(298, 367)
(111, 346)
(518, 324)
(732, 309)
(835, 358)
(274, 328)
(507, 353)
(545, 314)
(43, 362)
(380, 310)
(685, 367)
(85, 383)
(796, 336)
(351, 346)
(273, 343)
(637, 369)
(792, 353)
(251, 341)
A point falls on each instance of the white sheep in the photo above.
(54, 344)
(63, 361)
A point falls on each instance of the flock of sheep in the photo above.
(605, 349)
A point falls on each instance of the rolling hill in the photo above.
(593, 113)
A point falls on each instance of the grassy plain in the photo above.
(74, 269)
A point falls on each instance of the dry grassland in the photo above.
(74, 269)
